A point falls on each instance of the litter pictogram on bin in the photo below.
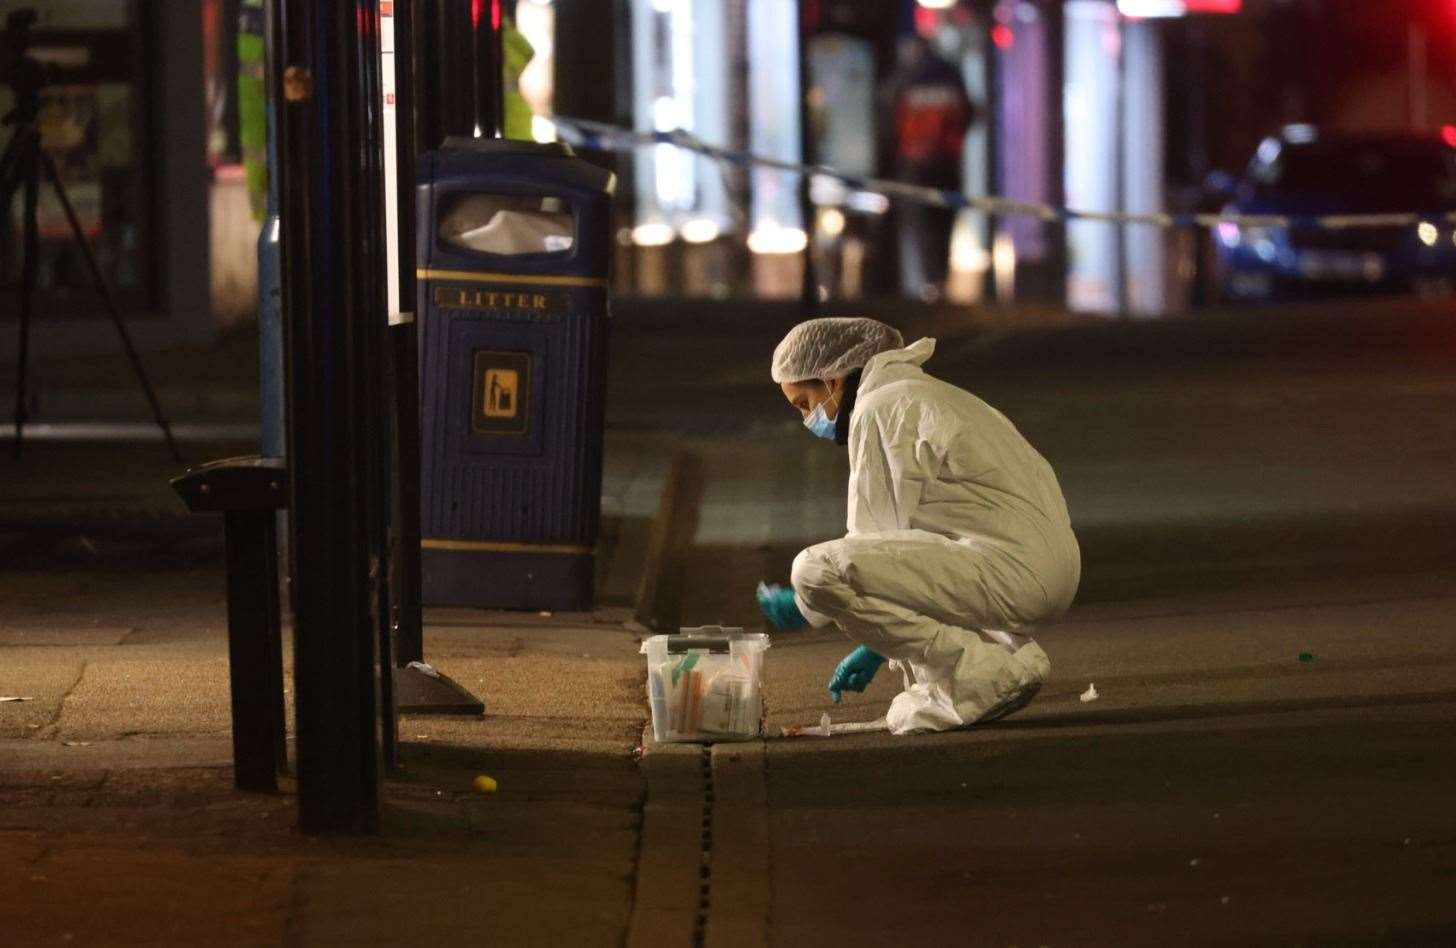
(502, 392)
(501, 386)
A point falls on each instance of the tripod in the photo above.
(21, 165)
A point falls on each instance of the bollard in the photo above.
(248, 492)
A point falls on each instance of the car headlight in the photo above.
(1265, 241)
(1257, 234)
(1231, 234)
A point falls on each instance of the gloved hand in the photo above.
(778, 606)
(854, 672)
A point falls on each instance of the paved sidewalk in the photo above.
(119, 824)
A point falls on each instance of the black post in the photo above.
(446, 85)
(334, 307)
(435, 89)
(809, 288)
(248, 491)
(26, 163)
(255, 650)
(408, 613)
(1056, 21)
(409, 645)
(490, 111)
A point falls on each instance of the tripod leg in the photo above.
(101, 286)
(8, 179)
(29, 262)
(9, 183)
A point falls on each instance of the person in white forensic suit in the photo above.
(958, 540)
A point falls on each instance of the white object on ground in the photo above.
(1090, 694)
(860, 727)
(822, 729)
(424, 668)
(5, 698)
(826, 729)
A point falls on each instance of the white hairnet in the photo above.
(831, 348)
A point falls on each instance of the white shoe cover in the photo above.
(989, 683)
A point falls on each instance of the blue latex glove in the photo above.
(778, 606)
(854, 672)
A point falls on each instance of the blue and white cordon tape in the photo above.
(601, 136)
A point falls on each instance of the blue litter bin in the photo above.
(513, 249)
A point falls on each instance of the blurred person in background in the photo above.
(928, 114)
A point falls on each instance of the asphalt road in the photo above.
(1249, 489)
(1235, 448)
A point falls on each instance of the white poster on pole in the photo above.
(397, 314)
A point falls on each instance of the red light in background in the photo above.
(495, 15)
(1448, 132)
(1003, 36)
(926, 21)
(475, 6)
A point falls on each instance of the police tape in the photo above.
(602, 136)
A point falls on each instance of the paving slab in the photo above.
(45, 676)
(65, 635)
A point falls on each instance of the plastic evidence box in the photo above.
(705, 684)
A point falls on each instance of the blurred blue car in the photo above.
(1304, 173)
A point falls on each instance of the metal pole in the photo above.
(1419, 75)
(1055, 17)
(428, 81)
(446, 87)
(490, 111)
(270, 303)
(408, 614)
(809, 289)
(30, 242)
(334, 311)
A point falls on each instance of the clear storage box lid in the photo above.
(708, 638)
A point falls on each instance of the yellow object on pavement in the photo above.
(484, 784)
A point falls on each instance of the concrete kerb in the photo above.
(670, 864)
(742, 854)
(703, 861)
(703, 872)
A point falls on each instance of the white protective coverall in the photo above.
(958, 537)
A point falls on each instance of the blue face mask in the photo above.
(820, 424)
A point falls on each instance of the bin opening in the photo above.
(509, 224)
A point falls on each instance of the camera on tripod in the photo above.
(17, 67)
(25, 74)
(24, 164)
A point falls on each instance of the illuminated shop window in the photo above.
(92, 123)
(680, 81)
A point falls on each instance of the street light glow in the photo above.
(832, 221)
(1151, 8)
(701, 230)
(771, 237)
(1167, 8)
(652, 234)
